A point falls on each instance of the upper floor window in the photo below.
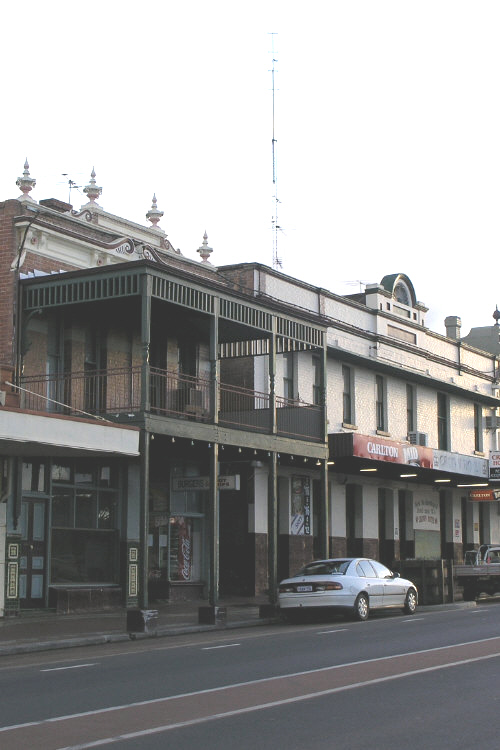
(316, 364)
(380, 403)
(288, 375)
(410, 408)
(347, 395)
(443, 421)
(478, 428)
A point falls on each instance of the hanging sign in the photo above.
(183, 484)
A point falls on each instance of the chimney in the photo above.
(453, 325)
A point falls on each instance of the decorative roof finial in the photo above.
(92, 191)
(154, 214)
(204, 250)
(26, 183)
(496, 315)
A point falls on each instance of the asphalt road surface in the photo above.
(427, 681)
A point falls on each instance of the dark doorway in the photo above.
(33, 557)
(236, 558)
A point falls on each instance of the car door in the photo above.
(394, 590)
(373, 585)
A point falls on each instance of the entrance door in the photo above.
(33, 559)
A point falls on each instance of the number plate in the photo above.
(300, 589)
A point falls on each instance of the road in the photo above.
(429, 681)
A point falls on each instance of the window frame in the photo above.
(348, 415)
(380, 403)
(443, 421)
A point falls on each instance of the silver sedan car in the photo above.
(353, 585)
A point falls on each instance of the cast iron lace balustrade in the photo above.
(115, 392)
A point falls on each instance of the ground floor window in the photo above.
(84, 556)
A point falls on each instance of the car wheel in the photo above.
(361, 607)
(410, 602)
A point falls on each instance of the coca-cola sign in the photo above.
(185, 548)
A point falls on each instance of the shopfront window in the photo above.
(188, 497)
(85, 538)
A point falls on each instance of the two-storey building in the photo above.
(140, 461)
(409, 422)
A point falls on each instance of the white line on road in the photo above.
(226, 645)
(414, 619)
(74, 666)
(127, 706)
(325, 632)
(271, 704)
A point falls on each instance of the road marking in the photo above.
(414, 619)
(62, 669)
(271, 704)
(325, 632)
(226, 645)
(274, 679)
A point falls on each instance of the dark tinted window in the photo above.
(325, 568)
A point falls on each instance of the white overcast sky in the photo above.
(387, 121)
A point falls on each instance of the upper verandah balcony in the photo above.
(117, 393)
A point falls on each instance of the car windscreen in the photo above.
(325, 568)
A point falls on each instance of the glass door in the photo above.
(33, 558)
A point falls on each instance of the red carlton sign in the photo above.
(484, 496)
(376, 449)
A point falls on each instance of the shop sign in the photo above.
(12, 580)
(495, 465)
(300, 521)
(376, 449)
(183, 484)
(457, 463)
(426, 514)
(484, 496)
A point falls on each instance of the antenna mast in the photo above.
(71, 185)
(274, 221)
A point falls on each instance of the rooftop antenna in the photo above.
(274, 221)
(72, 185)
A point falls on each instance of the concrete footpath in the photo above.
(44, 631)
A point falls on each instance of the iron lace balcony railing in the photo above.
(114, 392)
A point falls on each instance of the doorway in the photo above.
(33, 553)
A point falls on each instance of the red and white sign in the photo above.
(495, 465)
(484, 496)
(376, 449)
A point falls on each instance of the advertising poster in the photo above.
(300, 522)
(426, 514)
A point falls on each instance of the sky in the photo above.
(386, 126)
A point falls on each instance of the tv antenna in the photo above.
(274, 221)
(71, 185)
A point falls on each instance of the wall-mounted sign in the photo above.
(484, 496)
(459, 463)
(300, 521)
(183, 484)
(495, 465)
(12, 580)
(377, 449)
(133, 580)
(426, 514)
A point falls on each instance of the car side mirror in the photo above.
(395, 575)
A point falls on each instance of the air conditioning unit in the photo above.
(418, 438)
(492, 422)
